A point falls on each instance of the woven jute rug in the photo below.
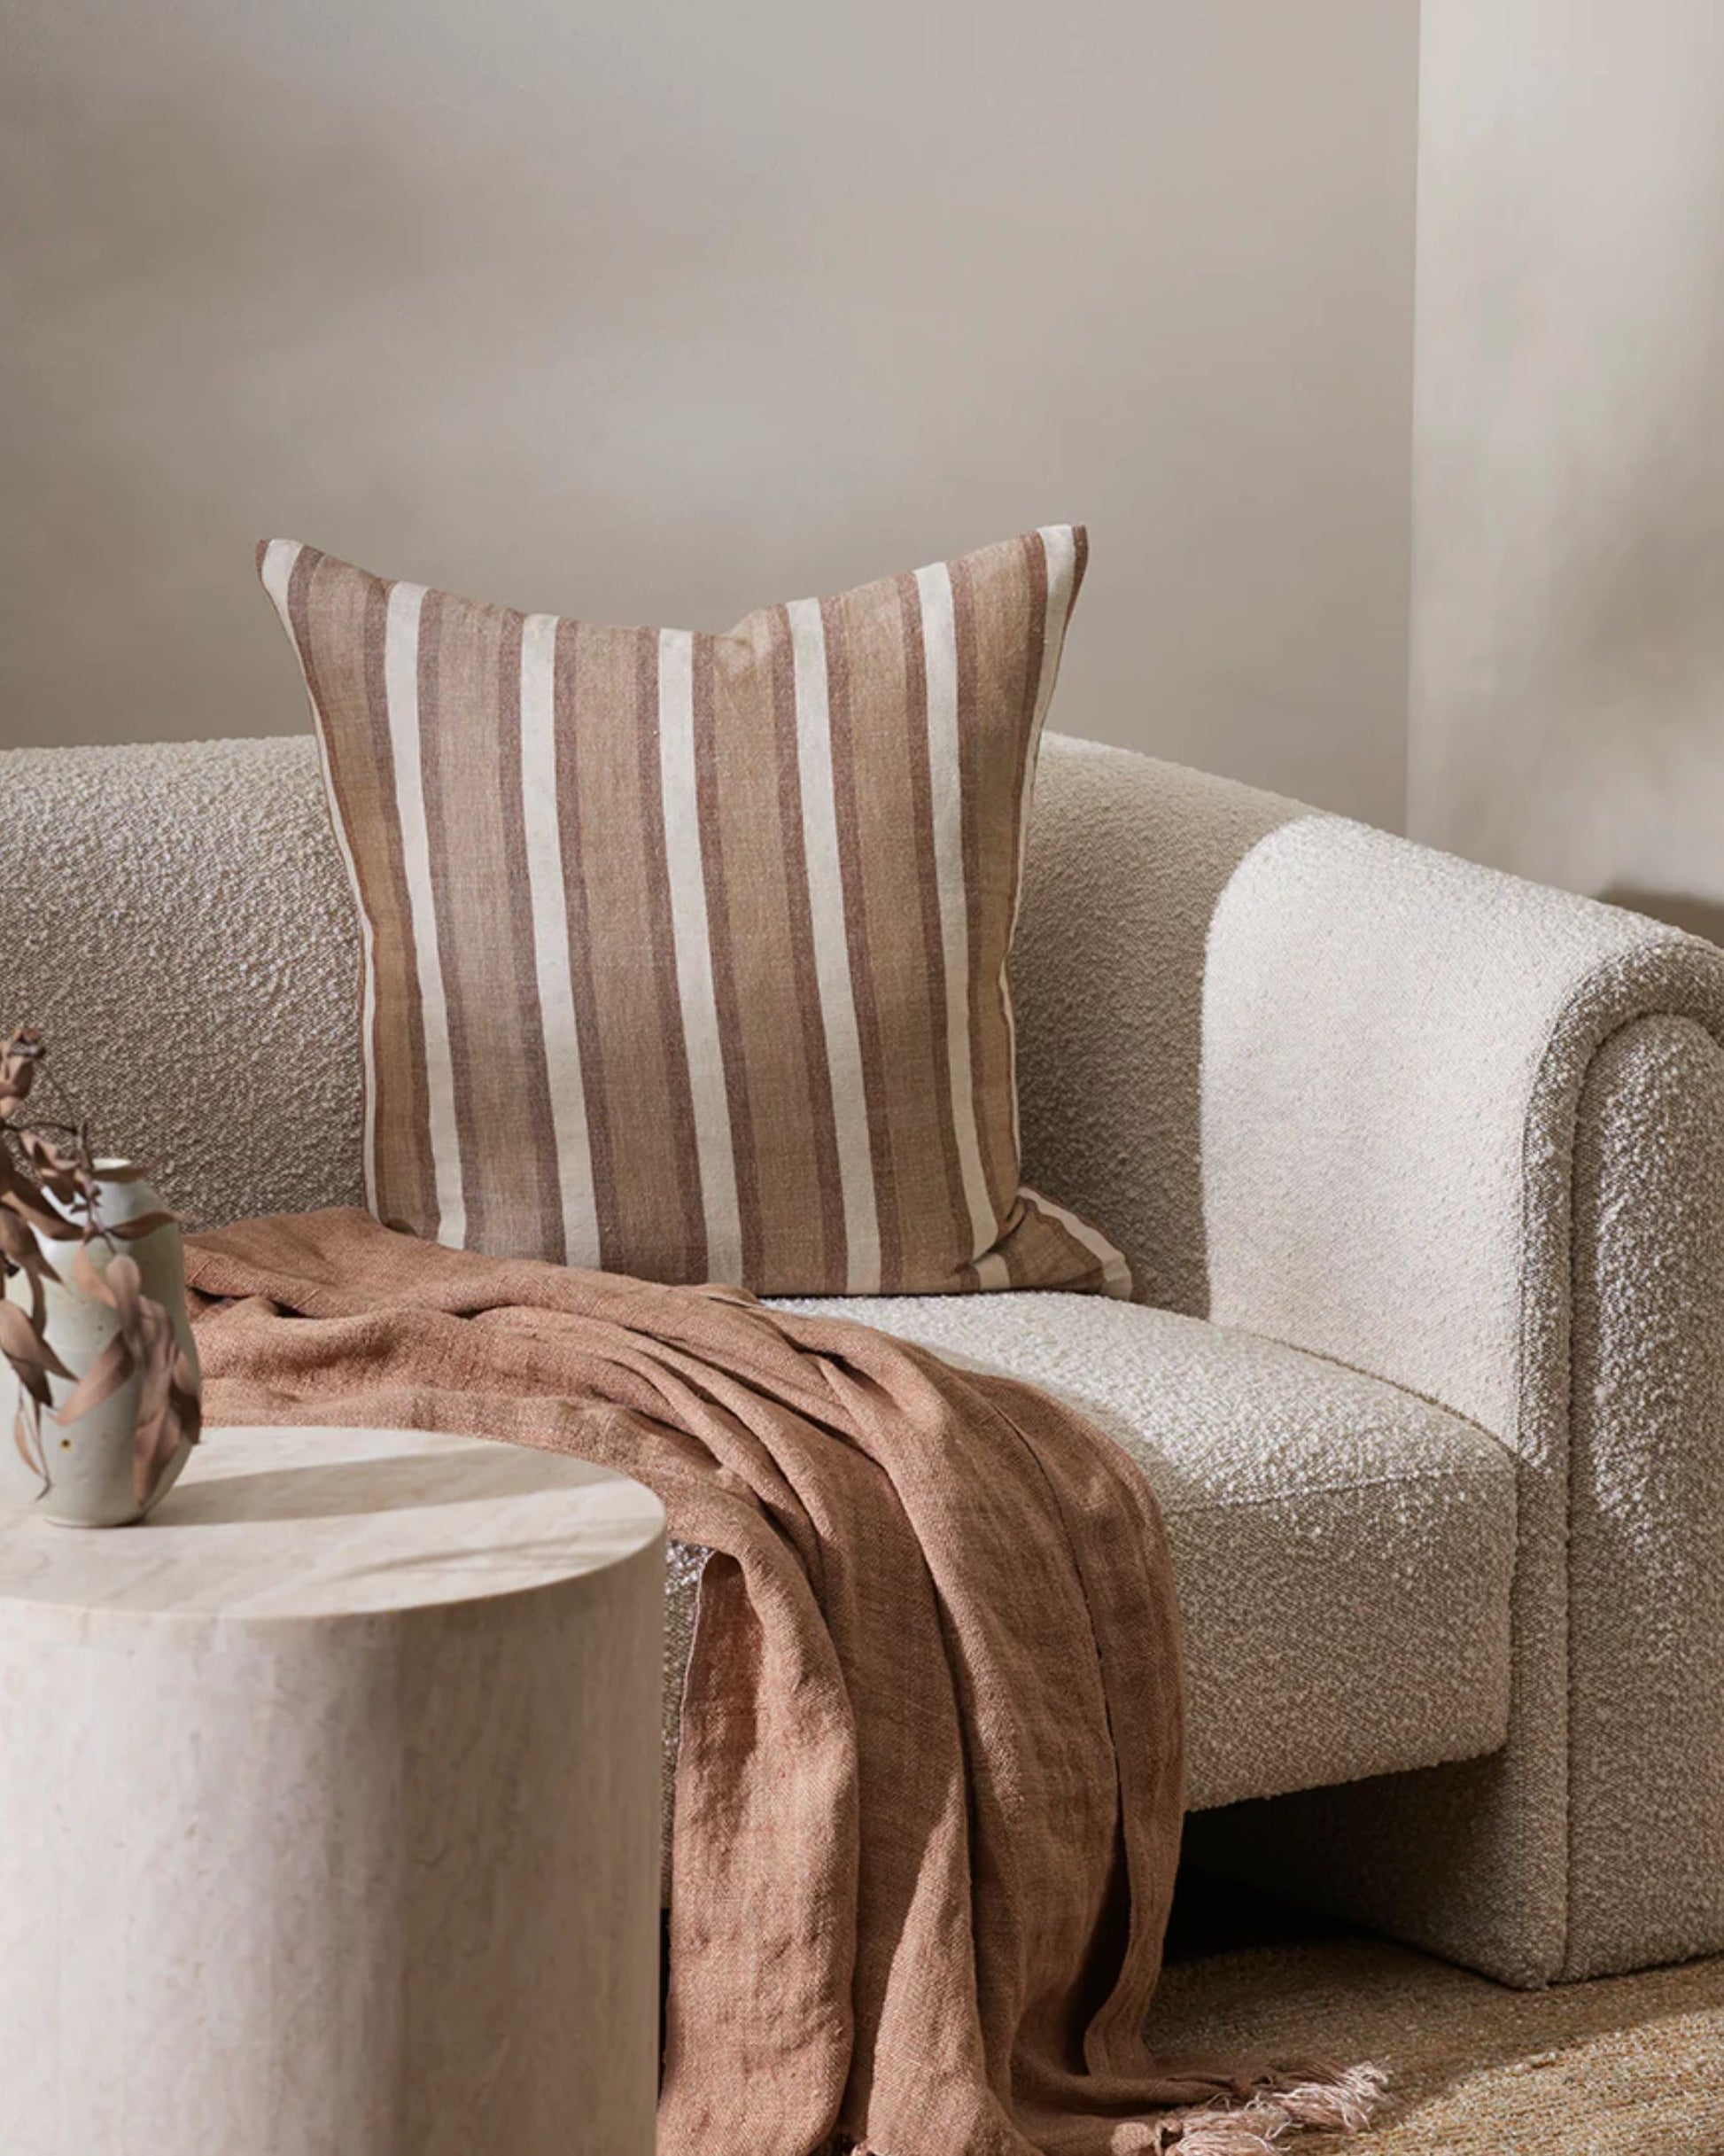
(1630, 2066)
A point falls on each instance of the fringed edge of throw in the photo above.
(1319, 2097)
(1330, 2100)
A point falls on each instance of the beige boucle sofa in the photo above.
(1423, 1169)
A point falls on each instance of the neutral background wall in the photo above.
(1568, 671)
(662, 310)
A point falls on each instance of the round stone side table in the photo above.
(329, 1808)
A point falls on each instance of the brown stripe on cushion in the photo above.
(1032, 552)
(336, 688)
(628, 940)
(879, 838)
(588, 1043)
(679, 1134)
(337, 614)
(1043, 1245)
(1058, 561)
(781, 1216)
(823, 1126)
(945, 1226)
(1010, 1264)
(1035, 1247)
(524, 1128)
(875, 1062)
(457, 763)
(989, 794)
(727, 994)
(1053, 1244)
(1033, 549)
(402, 673)
(403, 1115)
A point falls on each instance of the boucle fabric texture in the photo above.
(1445, 1152)
(931, 1780)
(687, 955)
(1327, 1085)
(189, 914)
(1336, 1541)
(1128, 860)
(1646, 1511)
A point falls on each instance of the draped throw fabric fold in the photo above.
(931, 1781)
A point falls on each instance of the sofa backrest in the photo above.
(178, 921)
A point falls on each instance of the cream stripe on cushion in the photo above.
(826, 894)
(940, 658)
(275, 568)
(401, 668)
(694, 951)
(686, 955)
(541, 810)
(1116, 1274)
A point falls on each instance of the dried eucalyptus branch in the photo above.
(51, 1193)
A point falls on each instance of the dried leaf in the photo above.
(56, 1227)
(146, 1224)
(180, 1423)
(36, 1274)
(103, 1379)
(121, 1172)
(186, 1399)
(24, 1347)
(18, 1062)
(160, 1422)
(57, 1167)
(124, 1284)
(86, 1279)
(168, 1407)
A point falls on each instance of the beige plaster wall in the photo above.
(663, 310)
(1567, 710)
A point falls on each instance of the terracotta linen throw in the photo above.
(685, 955)
(929, 1795)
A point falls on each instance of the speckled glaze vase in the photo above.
(88, 1462)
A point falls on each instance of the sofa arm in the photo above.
(1394, 1044)
(1317, 1081)
(1466, 1134)
(1594, 1841)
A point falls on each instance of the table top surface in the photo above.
(275, 1524)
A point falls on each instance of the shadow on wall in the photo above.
(1699, 916)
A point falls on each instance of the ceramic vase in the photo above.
(88, 1462)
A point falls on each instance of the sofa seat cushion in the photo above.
(1343, 1549)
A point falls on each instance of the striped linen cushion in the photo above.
(685, 955)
